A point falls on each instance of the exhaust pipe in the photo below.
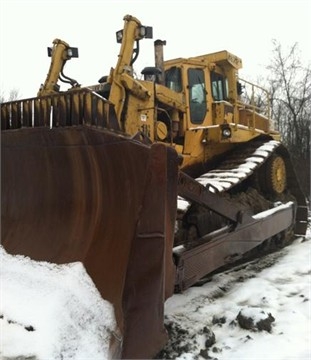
(159, 59)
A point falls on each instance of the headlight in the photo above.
(146, 32)
(119, 35)
(226, 132)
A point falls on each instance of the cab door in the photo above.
(197, 95)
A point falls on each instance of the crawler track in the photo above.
(241, 175)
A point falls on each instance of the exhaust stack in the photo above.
(159, 59)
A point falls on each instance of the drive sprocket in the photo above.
(275, 175)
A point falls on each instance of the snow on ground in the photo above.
(204, 322)
(258, 311)
(50, 311)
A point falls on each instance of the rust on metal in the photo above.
(76, 107)
(77, 192)
(231, 244)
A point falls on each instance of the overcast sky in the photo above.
(190, 27)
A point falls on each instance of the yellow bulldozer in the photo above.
(151, 182)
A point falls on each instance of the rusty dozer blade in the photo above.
(86, 194)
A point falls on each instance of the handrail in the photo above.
(265, 108)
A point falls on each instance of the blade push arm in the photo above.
(121, 77)
(60, 53)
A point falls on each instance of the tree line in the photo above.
(289, 84)
(288, 81)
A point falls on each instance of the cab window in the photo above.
(197, 95)
(173, 79)
(219, 87)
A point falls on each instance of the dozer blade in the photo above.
(86, 194)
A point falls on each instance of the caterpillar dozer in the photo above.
(152, 182)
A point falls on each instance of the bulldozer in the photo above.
(152, 182)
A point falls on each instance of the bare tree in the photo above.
(290, 89)
(2, 97)
(13, 95)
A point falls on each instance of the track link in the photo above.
(239, 166)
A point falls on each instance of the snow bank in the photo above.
(51, 311)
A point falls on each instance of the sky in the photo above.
(190, 28)
(61, 315)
